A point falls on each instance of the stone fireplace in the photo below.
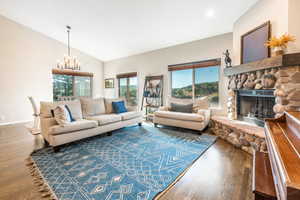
(264, 89)
(258, 90)
(255, 105)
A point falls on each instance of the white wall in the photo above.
(264, 10)
(26, 60)
(156, 63)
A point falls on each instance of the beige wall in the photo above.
(274, 10)
(156, 62)
(294, 24)
(26, 60)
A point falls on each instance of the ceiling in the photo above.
(110, 29)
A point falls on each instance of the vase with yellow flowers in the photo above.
(279, 44)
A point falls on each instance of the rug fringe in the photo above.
(38, 180)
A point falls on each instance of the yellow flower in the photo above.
(273, 42)
(280, 42)
(286, 38)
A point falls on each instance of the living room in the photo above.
(150, 99)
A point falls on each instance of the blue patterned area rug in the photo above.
(135, 163)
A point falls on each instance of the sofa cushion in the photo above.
(180, 116)
(73, 126)
(74, 106)
(92, 107)
(105, 118)
(130, 115)
(108, 104)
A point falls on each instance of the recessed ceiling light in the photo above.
(210, 13)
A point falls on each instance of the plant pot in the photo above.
(278, 51)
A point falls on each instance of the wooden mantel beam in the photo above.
(277, 61)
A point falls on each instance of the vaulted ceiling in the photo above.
(110, 29)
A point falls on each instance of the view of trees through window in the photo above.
(128, 89)
(195, 83)
(67, 85)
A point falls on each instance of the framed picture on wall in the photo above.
(109, 83)
(253, 43)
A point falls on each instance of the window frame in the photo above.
(128, 76)
(73, 74)
(194, 66)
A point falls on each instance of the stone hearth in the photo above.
(242, 135)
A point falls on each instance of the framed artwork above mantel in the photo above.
(253, 43)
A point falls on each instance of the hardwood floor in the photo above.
(221, 173)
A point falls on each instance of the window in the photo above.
(182, 82)
(207, 84)
(83, 86)
(71, 84)
(128, 87)
(195, 80)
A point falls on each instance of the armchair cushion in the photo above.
(180, 116)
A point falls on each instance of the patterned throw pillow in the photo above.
(119, 107)
(62, 115)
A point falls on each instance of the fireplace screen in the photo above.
(255, 105)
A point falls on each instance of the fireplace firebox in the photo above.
(255, 105)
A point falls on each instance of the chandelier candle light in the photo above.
(69, 62)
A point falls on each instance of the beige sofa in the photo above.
(93, 117)
(198, 120)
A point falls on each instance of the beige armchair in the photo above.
(198, 120)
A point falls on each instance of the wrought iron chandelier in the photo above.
(69, 62)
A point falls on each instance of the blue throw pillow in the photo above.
(119, 107)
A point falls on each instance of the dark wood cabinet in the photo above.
(283, 142)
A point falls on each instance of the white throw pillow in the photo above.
(74, 106)
(62, 115)
(201, 103)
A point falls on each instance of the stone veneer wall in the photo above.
(285, 81)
